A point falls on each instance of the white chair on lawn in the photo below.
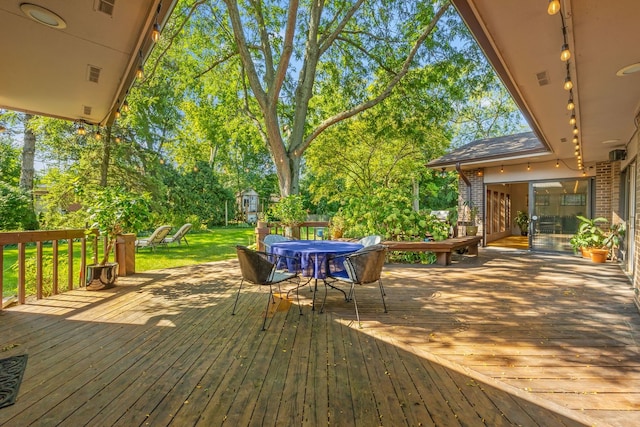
(179, 235)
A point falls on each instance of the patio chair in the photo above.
(361, 268)
(270, 239)
(156, 238)
(257, 269)
(370, 240)
(178, 236)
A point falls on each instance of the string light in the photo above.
(528, 167)
(155, 33)
(117, 113)
(572, 120)
(140, 70)
(575, 140)
(118, 139)
(566, 53)
(98, 135)
(125, 106)
(501, 168)
(570, 105)
(554, 7)
(575, 130)
(568, 84)
(557, 163)
(81, 130)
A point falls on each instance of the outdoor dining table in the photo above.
(316, 257)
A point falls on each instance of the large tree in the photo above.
(290, 48)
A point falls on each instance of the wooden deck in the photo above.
(505, 338)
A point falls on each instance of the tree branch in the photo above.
(367, 53)
(287, 50)
(215, 64)
(327, 41)
(264, 41)
(386, 91)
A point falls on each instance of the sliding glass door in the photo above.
(554, 206)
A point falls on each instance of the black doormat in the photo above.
(11, 371)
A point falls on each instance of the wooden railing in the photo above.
(308, 230)
(23, 238)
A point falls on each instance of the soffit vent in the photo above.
(543, 78)
(563, 139)
(106, 6)
(93, 73)
(86, 110)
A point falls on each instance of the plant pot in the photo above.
(472, 230)
(585, 252)
(336, 234)
(599, 255)
(101, 276)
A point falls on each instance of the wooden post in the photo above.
(126, 254)
(262, 230)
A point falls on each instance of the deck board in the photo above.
(490, 340)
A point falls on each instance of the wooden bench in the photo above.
(442, 248)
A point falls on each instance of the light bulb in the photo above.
(557, 163)
(140, 72)
(572, 120)
(568, 84)
(566, 53)
(118, 113)
(98, 135)
(575, 130)
(528, 167)
(554, 7)
(570, 104)
(575, 140)
(118, 139)
(155, 33)
(81, 130)
(125, 106)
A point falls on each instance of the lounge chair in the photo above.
(178, 236)
(156, 238)
(370, 240)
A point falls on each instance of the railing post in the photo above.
(1, 274)
(21, 272)
(126, 254)
(39, 270)
(55, 273)
(70, 262)
(261, 231)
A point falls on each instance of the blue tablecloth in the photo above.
(315, 257)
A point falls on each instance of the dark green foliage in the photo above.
(15, 213)
(198, 192)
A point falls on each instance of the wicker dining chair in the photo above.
(257, 268)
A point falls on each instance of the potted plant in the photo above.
(290, 210)
(113, 211)
(592, 238)
(522, 221)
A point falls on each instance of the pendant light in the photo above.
(572, 120)
(554, 7)
(570, 104)
(568, 84)
(566, 53)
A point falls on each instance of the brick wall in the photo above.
(604, 180)
(476, 177)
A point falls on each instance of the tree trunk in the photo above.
(416, 194)
(106, 157)
(28, 155)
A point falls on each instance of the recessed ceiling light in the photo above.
(629, 69)
(610, 141)
(43, 16)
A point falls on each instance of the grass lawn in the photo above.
(204, 246)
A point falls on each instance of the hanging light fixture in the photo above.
(125, 106)
(81, 130)
(501, 168)
(155, 32)
(117, 113)
(568, 84)
(140, 70)
(572, 120)
(575, 140)
(528, 167)
(566, 53)
(118, 139)
(98, 135)
(557, 163)
(570, 104)
(575, 130)
(553, 7)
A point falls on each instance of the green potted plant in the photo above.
(522, 221)
(113, 211)
(291, 213)
(591, 238)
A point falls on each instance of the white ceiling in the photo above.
(521, 40)
(44, 70)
